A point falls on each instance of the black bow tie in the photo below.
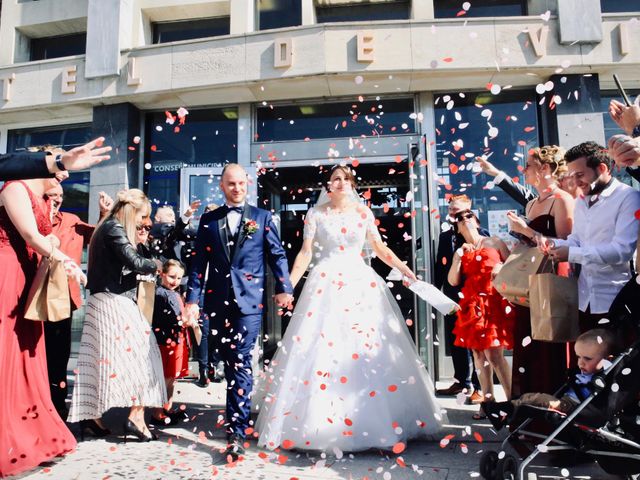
(235, 209)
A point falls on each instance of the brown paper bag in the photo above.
(554, 308)
(512, 281)
(146, 298)
(49, 297)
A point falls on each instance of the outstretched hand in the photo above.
(86, 156)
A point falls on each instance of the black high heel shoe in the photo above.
(93, 427)
(132, 428)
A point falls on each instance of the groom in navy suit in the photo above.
(233, 241)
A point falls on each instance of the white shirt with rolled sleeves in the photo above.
(602, 241)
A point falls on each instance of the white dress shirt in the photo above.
(233, 219)
(602, 241)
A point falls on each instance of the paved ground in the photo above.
(192, 451)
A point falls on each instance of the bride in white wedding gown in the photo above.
(346, 375)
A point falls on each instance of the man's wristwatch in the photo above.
(58, 160)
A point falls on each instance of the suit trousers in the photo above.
(238, 335)
(57, 336)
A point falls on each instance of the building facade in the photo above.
(408, 92)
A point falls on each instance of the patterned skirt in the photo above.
(119, 362)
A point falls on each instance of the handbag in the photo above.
(512, 281)
(554, 308)
(49, 297)
(145, 298)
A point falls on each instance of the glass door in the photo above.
(201, 183)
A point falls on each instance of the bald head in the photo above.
(233, 183)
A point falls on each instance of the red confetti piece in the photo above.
(343, 379)
(154, 148)
(398, 448)
(637, 214)
(447, 59)
(288, 444)
(372, 393)
(392, 388)
(355, 356)
(478, 437)
(529, 129)
(348, 422)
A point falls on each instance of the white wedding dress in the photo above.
(346, 375)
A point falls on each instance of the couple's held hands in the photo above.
(191, 313)
(284, 300)
(625, 150)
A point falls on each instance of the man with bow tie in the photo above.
(233, 241)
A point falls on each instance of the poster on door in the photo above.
(499, 226)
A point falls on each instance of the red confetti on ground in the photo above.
(392, 388)
(400, 462)
(287, 444)
(447, 59)
(478, 437)
(262, 455)
(398, 448)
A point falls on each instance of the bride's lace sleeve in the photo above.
(310, 223)
(372, 230)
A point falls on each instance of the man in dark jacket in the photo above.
(167, 231)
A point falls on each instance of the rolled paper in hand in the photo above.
(434, 297)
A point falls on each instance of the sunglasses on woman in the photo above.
(461, 216)
(140, 228)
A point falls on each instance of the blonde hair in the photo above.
(553, 156)
(128, 204)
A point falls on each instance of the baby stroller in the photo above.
(604, 427)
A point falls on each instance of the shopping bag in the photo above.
(146, 298)
(553, 307)
(512, 281)
(49, 297)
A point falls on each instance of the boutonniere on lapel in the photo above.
(250, 227)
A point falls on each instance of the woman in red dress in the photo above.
(485, 319)
(31, 431)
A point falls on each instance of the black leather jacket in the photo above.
(114, 262)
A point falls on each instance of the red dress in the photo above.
(31, 431)
(485, 319)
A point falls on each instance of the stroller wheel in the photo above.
(488, 464)
(507, 468)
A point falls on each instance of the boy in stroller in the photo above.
(592, 348)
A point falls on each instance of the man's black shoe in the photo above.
(203, 380)
(454, 389)
(234, 447)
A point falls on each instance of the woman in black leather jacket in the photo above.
(119, 362)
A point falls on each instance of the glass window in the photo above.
(482, 8)
(164, 32)
(279, 13)
(611, 128)
(614, 6)
(208, 138)
(56, 47)
(76, 194)
(369, 117)
(64, 137)
(359, 13)
(503, 126)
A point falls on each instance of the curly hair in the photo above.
(553, 156)
(592, 151)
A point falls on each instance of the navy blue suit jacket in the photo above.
(244, 271)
